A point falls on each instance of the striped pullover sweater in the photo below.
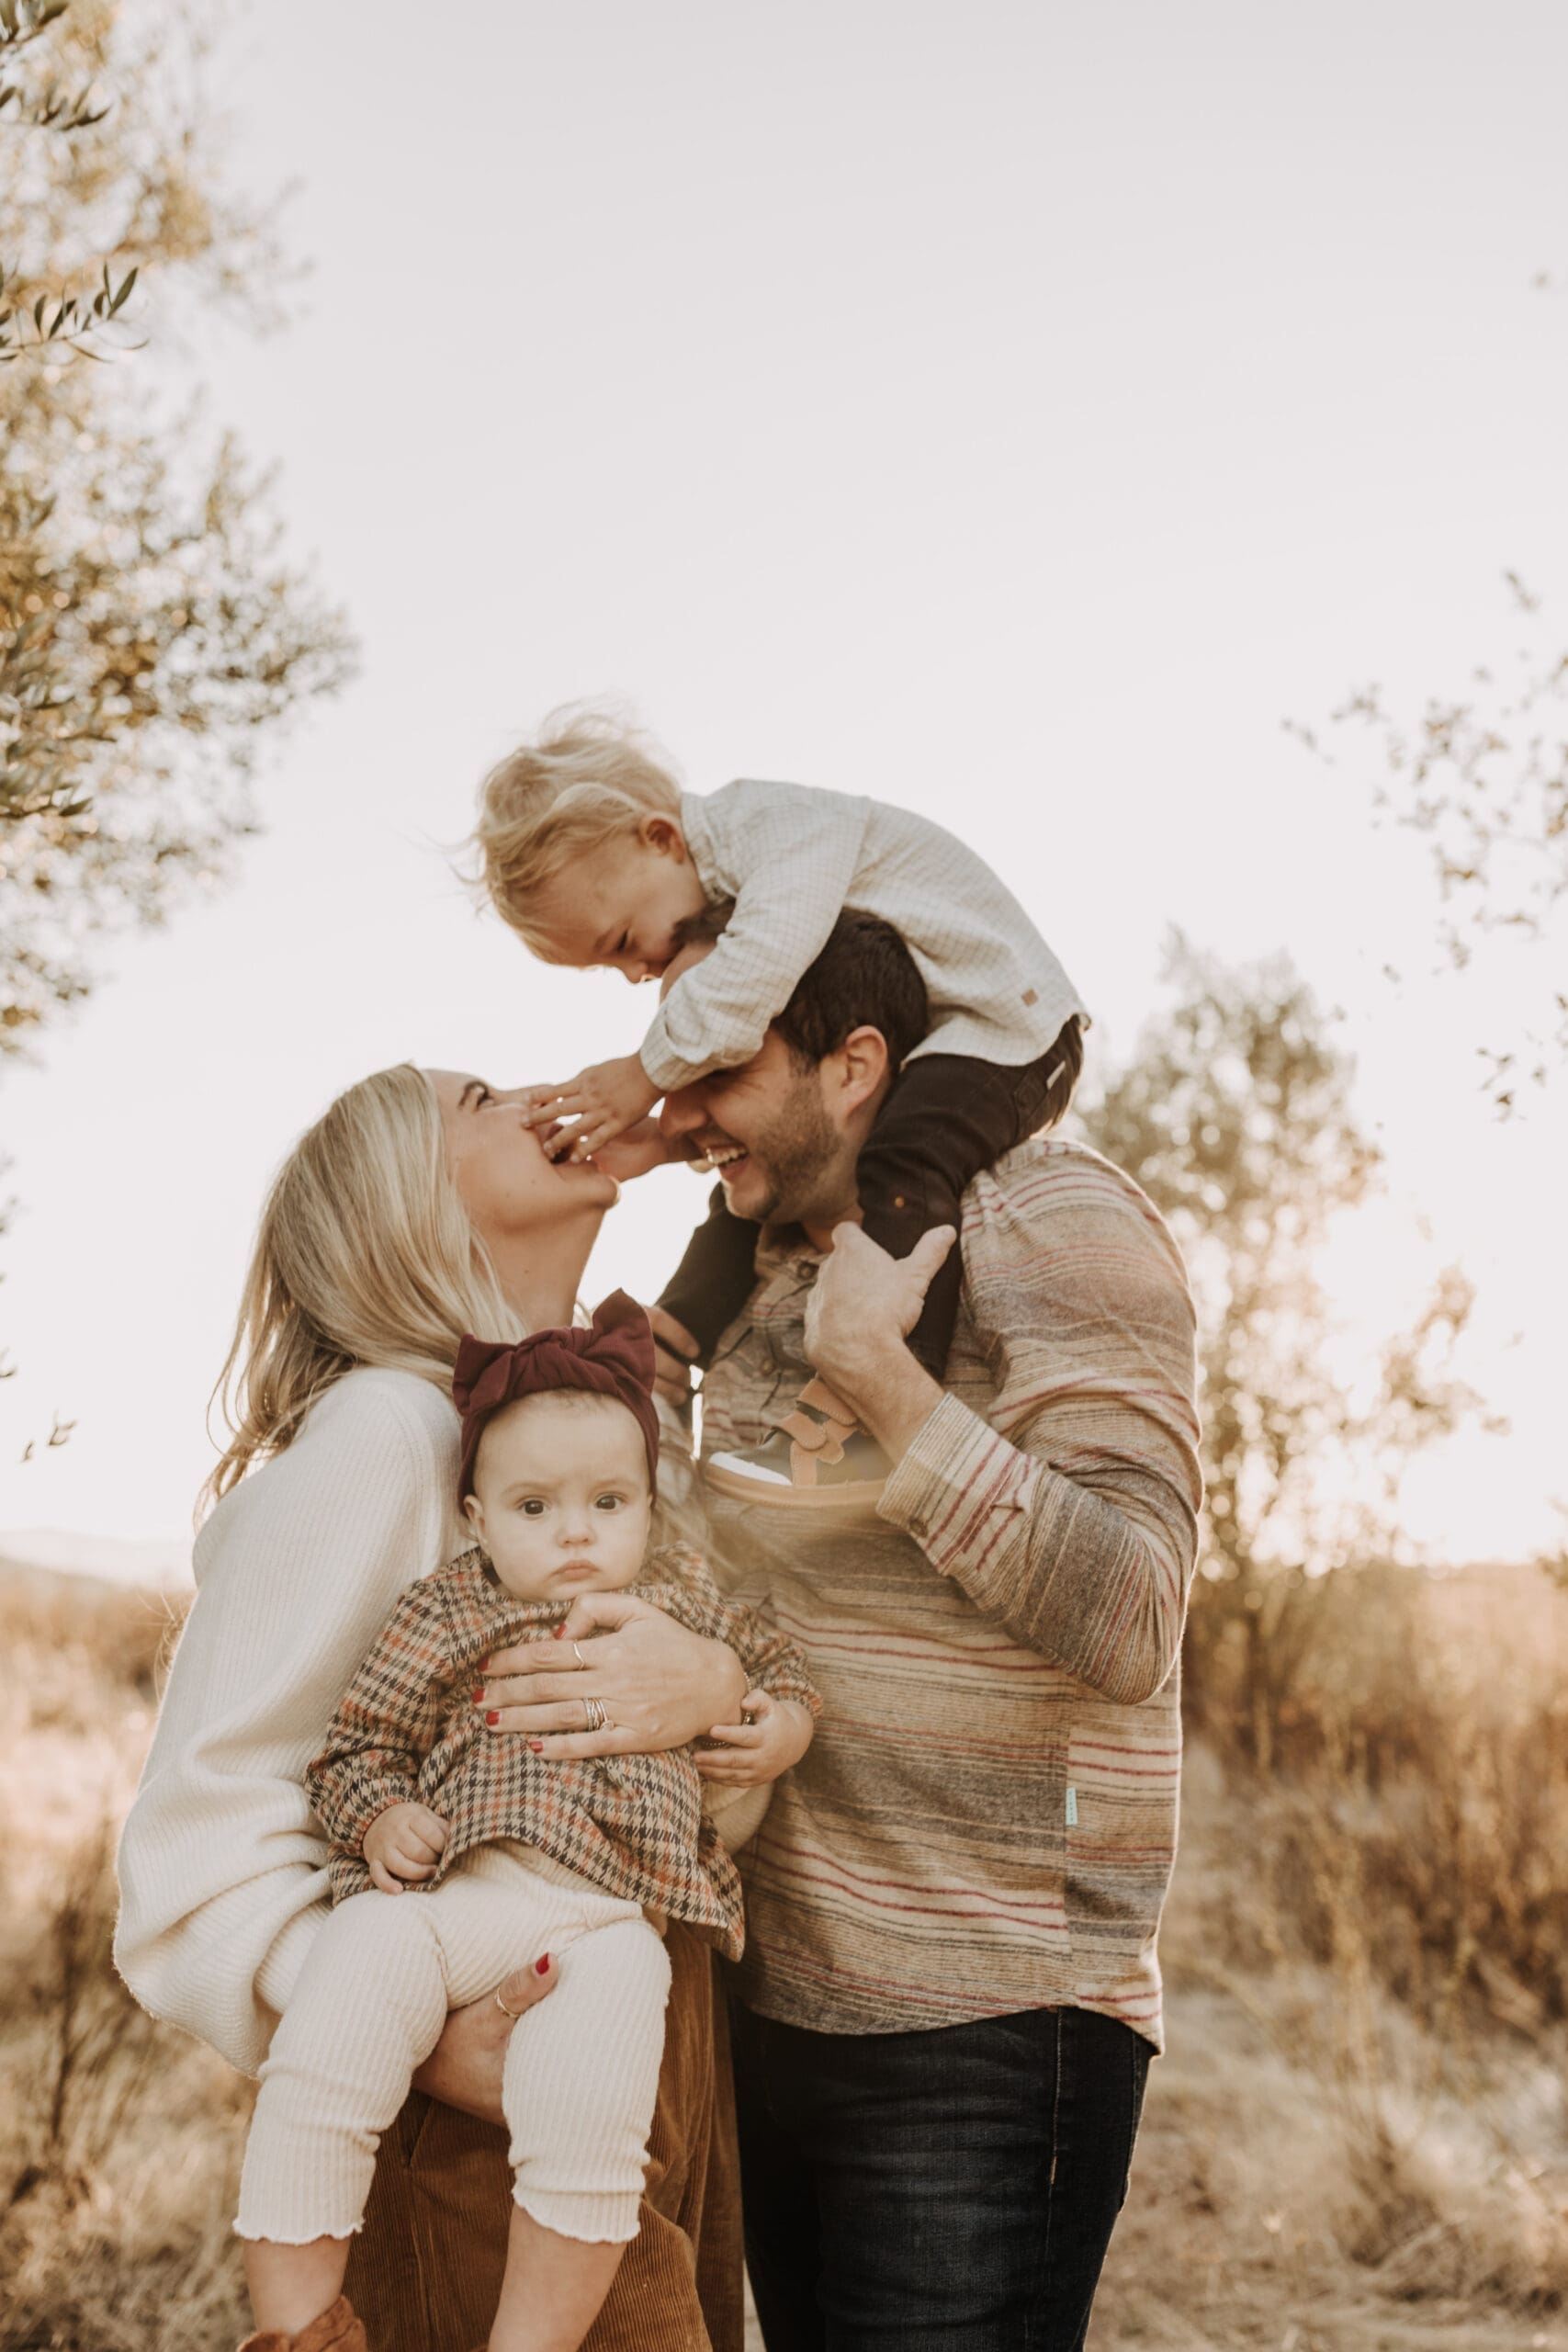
(986, 1821)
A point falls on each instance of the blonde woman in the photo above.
(420, 1207)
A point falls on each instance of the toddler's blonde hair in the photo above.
(588, 777)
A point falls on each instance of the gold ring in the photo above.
(501, 2005)
(578, 1656)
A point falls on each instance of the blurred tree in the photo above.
(152, 636)
(1483, 776)
(1234, 1116)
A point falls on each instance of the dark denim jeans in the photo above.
(923, 2192)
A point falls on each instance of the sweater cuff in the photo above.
(954, 1474)
(662, 1067)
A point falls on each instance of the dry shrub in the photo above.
(1417, 1792)
(120, 2139)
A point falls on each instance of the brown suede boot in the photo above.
(338, 2329)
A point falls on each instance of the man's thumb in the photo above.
(931, 1249)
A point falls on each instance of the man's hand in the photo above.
(599, 1104)
(402, 1846)
(861, 1306)
(776, 1734)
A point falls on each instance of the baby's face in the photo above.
(561, 1500)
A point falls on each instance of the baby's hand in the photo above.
(403, 1844)
(598, 1103)
(775, 1736)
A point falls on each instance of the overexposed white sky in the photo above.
(1015, 410)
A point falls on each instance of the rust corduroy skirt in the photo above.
(425, 2272)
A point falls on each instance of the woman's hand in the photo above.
(660, 1686)
(464, 2069)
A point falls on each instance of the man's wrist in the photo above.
(892, 1393)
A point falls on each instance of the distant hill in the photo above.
(108, 1559)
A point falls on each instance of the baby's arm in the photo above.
(794, 854)
(388, 1719)
(773, 1735)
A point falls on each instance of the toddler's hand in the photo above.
(598, 1103)
(403, 1844)
(633, 1152)
(776, 1735)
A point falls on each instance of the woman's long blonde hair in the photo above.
(364, 1255)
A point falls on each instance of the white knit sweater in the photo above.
(222, 1864)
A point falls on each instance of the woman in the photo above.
(420, 1206)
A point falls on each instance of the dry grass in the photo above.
(1358, 2143)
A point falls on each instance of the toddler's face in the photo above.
(561, 1500)
(622, 903)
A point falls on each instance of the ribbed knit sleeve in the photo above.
(222, 1865)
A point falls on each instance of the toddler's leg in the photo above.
(714, 1280)
(582, 2076)
(945, 1118)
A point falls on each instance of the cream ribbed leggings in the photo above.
(582, 2066)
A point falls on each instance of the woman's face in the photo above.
(498, 1164)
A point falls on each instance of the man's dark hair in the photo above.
(866, 977)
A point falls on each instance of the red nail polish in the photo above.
(542, 1965)
(492, 1717)
(558, 1631)
(479, 1693)
(536, 1745)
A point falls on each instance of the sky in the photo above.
(1014, 411)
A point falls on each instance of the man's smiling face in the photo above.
(766, 1132)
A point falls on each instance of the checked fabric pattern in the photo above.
(407, 1731)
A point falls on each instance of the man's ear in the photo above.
(863, 1065)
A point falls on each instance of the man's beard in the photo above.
(796, 1156)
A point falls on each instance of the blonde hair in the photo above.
(364, 1255)
(588, 777)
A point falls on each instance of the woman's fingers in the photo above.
(560, 1714)
(521, 1657)
(599, 1612)
(610, 1742)
(525, 1985)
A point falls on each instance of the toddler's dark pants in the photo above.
(946, 1116)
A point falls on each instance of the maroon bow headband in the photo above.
(614, 1357)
